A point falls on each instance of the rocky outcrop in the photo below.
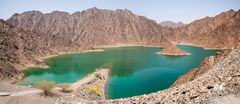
(172, 24)
(172, 50)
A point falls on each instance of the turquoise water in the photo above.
(135, 70)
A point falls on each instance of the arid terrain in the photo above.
(28, 37)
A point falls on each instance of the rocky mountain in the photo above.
(97, 27)
(94, 27)
(172, 24)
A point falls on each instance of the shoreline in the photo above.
(124, 45)
(206, 48)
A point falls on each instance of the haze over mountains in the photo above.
(172, 24)
(31, 35)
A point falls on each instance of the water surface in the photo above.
(135, 70)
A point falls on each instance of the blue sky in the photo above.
(159, 10)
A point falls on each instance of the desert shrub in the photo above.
(95, 89)
(65, 87)
(45, 85)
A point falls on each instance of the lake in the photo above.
(135, 70)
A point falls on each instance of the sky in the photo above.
(159, 10)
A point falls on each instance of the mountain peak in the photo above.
(93, 8)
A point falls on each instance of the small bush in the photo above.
(45, 85)
(95, 89)
(65, 87)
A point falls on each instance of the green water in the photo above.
(135, 70)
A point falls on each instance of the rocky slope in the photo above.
(171, 24)
(14, 51)
(206, 65)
